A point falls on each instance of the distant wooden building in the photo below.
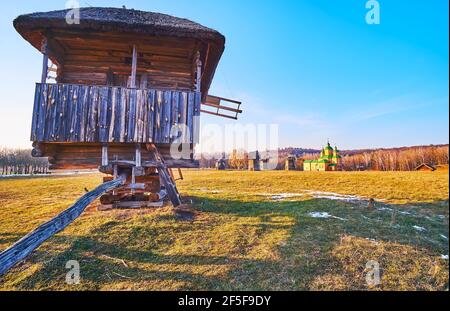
(259, 161)
(329, 160)
(221, 163)
(425, 167)
(290, 164)
(253, 161)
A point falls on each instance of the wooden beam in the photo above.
(133, 67)
(104, 155)
(138, 158)
(44, 50)
(198, 79)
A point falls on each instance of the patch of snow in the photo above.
(419, 228)
(280, 196)
(209, 191)
(334, 196)
(323, 215)
(373, 241)
(444, 237)
(404, 213)
(445, 257)
(385, 209)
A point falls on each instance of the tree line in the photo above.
(19, 161)
(393, 159)
(396, 159)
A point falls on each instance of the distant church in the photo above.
(329, 160)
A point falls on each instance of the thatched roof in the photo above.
(119, 20)
(35, 26)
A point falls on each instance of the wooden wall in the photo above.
(105, 58)
(83, 113)
(89, 155)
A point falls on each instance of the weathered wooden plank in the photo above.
(83, 101)
(139, 118)
(23, 247)
(174, 129)
(182, 115)
(131, 128)
(112, 123)
(123, 113)
(103, 114)
(52, 114)
(145, 108)
(91, 130)
(166, 115)
(151, 123)
(190, 115)
(64, 113)
(118, 114)
(75, 116)
(35, 117)
(196, 121)
(158, 116)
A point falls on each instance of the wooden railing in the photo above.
(84, 113)
(219, 106)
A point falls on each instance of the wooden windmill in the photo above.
(128, 87)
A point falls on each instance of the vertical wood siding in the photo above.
(83, 113)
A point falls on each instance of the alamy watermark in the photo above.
(215, 138)
(373, 15)
(373, 273)
(73, 15)
(73, 275)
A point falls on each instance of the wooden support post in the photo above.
(115, 177)
(44, 50)
(198, 79)
(133, 178)
(115, 171)
(105, 155)
(133, 68)
(138, 155)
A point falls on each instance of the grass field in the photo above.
(250, 231)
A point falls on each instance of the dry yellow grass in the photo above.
(242, 237)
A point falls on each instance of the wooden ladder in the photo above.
(165, 177)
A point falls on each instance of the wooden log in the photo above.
(23, 247)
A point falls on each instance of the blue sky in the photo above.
(314, 67)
